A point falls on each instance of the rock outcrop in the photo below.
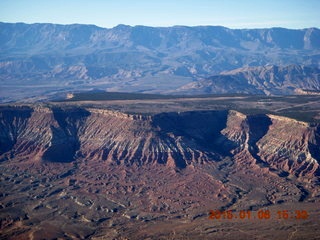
(176, 139)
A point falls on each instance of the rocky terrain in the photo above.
(76, 171)
(50, 59)
(173, 139)
(268, 80)
(89, 164)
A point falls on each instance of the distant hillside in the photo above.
(140, 59)
(259, 80)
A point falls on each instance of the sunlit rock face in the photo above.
(176, 139)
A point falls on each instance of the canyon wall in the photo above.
(176, 139)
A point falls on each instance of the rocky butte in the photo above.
(105, 170)
(175, 139)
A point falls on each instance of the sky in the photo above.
(294, 14)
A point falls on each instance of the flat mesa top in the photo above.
(300, 107)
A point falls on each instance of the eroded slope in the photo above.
(89, 172)
(175, 139)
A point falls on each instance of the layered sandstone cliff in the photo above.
(65, 134)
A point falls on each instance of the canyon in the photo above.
(176, 139)
(89, 171)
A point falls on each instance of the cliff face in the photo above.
(13, 124)
(279, 143)
(172, 139)
(291, 146)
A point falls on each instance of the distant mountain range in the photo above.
(56, 58)
(269, 80)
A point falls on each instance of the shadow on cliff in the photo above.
(199, 130)
(10, 127)
(65, 142)
(314, 144)
(258, 128)
(314, 148)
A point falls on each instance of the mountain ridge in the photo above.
(208, 35)
(140, 59)
(268, 80)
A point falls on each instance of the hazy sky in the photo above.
(107, 13)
